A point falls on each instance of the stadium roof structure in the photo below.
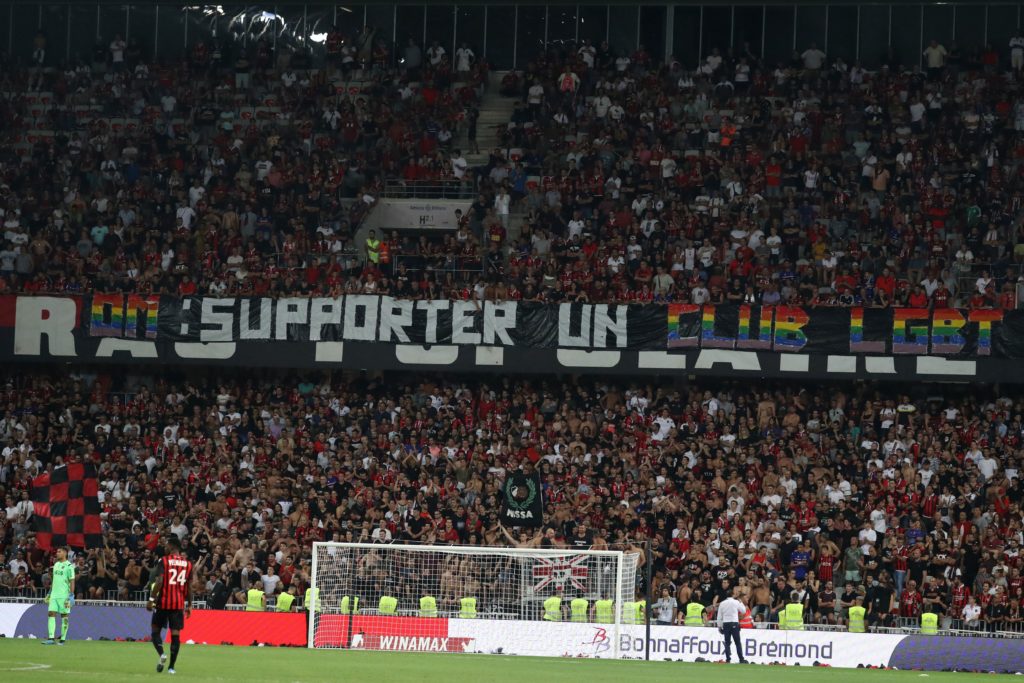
(717, 3)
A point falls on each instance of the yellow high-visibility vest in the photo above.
(578, 610)
(929, 624)
(311, 600)
(604, 611)
(428, 606)
(284, 602)
(794, 616)
(857, 619)
(467, 608)
(553, 609)
(254, 600)
(349, 605)
(629, 612)
(388, 605)
(694, 614)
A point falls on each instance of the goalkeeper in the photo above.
(61, 598)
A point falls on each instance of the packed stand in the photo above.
(835, 493)
(811, 181)
(238, 170)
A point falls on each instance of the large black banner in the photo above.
(375, 332)
(635, 327)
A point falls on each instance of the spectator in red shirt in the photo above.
(910, 601)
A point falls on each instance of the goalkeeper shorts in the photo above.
(61, 604)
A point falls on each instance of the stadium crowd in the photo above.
(619, 177)
(812, 181)
(240, 170)
(836, 493)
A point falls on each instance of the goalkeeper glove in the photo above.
(71, 601)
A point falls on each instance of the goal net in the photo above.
(472, 599)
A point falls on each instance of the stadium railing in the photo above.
(427, 189)
(460, 266)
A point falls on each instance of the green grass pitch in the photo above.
(80, 661)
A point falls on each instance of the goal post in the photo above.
(522, 601)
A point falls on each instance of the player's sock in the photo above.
(157, 643)
(175, 644)
(51, 626)
(64, 628)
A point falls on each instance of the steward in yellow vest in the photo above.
(388, 605)
(553, 609)
(629, 612)
(428, 606)
(604, 611)
(578, 610)
(311, 600)
(694, 614)
(929, 624)
(349, 605)
(467, 608)
(285, 600)
(373, 248)
(641, 612)
(857, 613)
(255, 600)
(794, 612)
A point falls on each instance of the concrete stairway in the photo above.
(495, 110)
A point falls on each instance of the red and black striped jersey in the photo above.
(177, 572)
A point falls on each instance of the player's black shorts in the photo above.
(171, 618)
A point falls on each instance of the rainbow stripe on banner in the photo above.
(764, 328)
(677, 338)
(106, 318)
(789, 324)
(709, 340)
(946, 326)
(985, 318)
(857, 343)
(144, 313)
(906, 337)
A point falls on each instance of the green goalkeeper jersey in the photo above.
(63, 574)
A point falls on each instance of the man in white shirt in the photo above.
(1017, 52)
(665, 608)
(935, 59)
(117, 48)
(665, 424)
(971, 613)
(699, 295)
(534, 97)
(502, 203)
(270, 581)
(459, 165)
(464, 57)
(435, 53)
(729, 612)
(813, 58)
(381, 534)
(988, 465)
(186, 215)
(587, 53)
(263, 167)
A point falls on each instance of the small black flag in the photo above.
(522, 500)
